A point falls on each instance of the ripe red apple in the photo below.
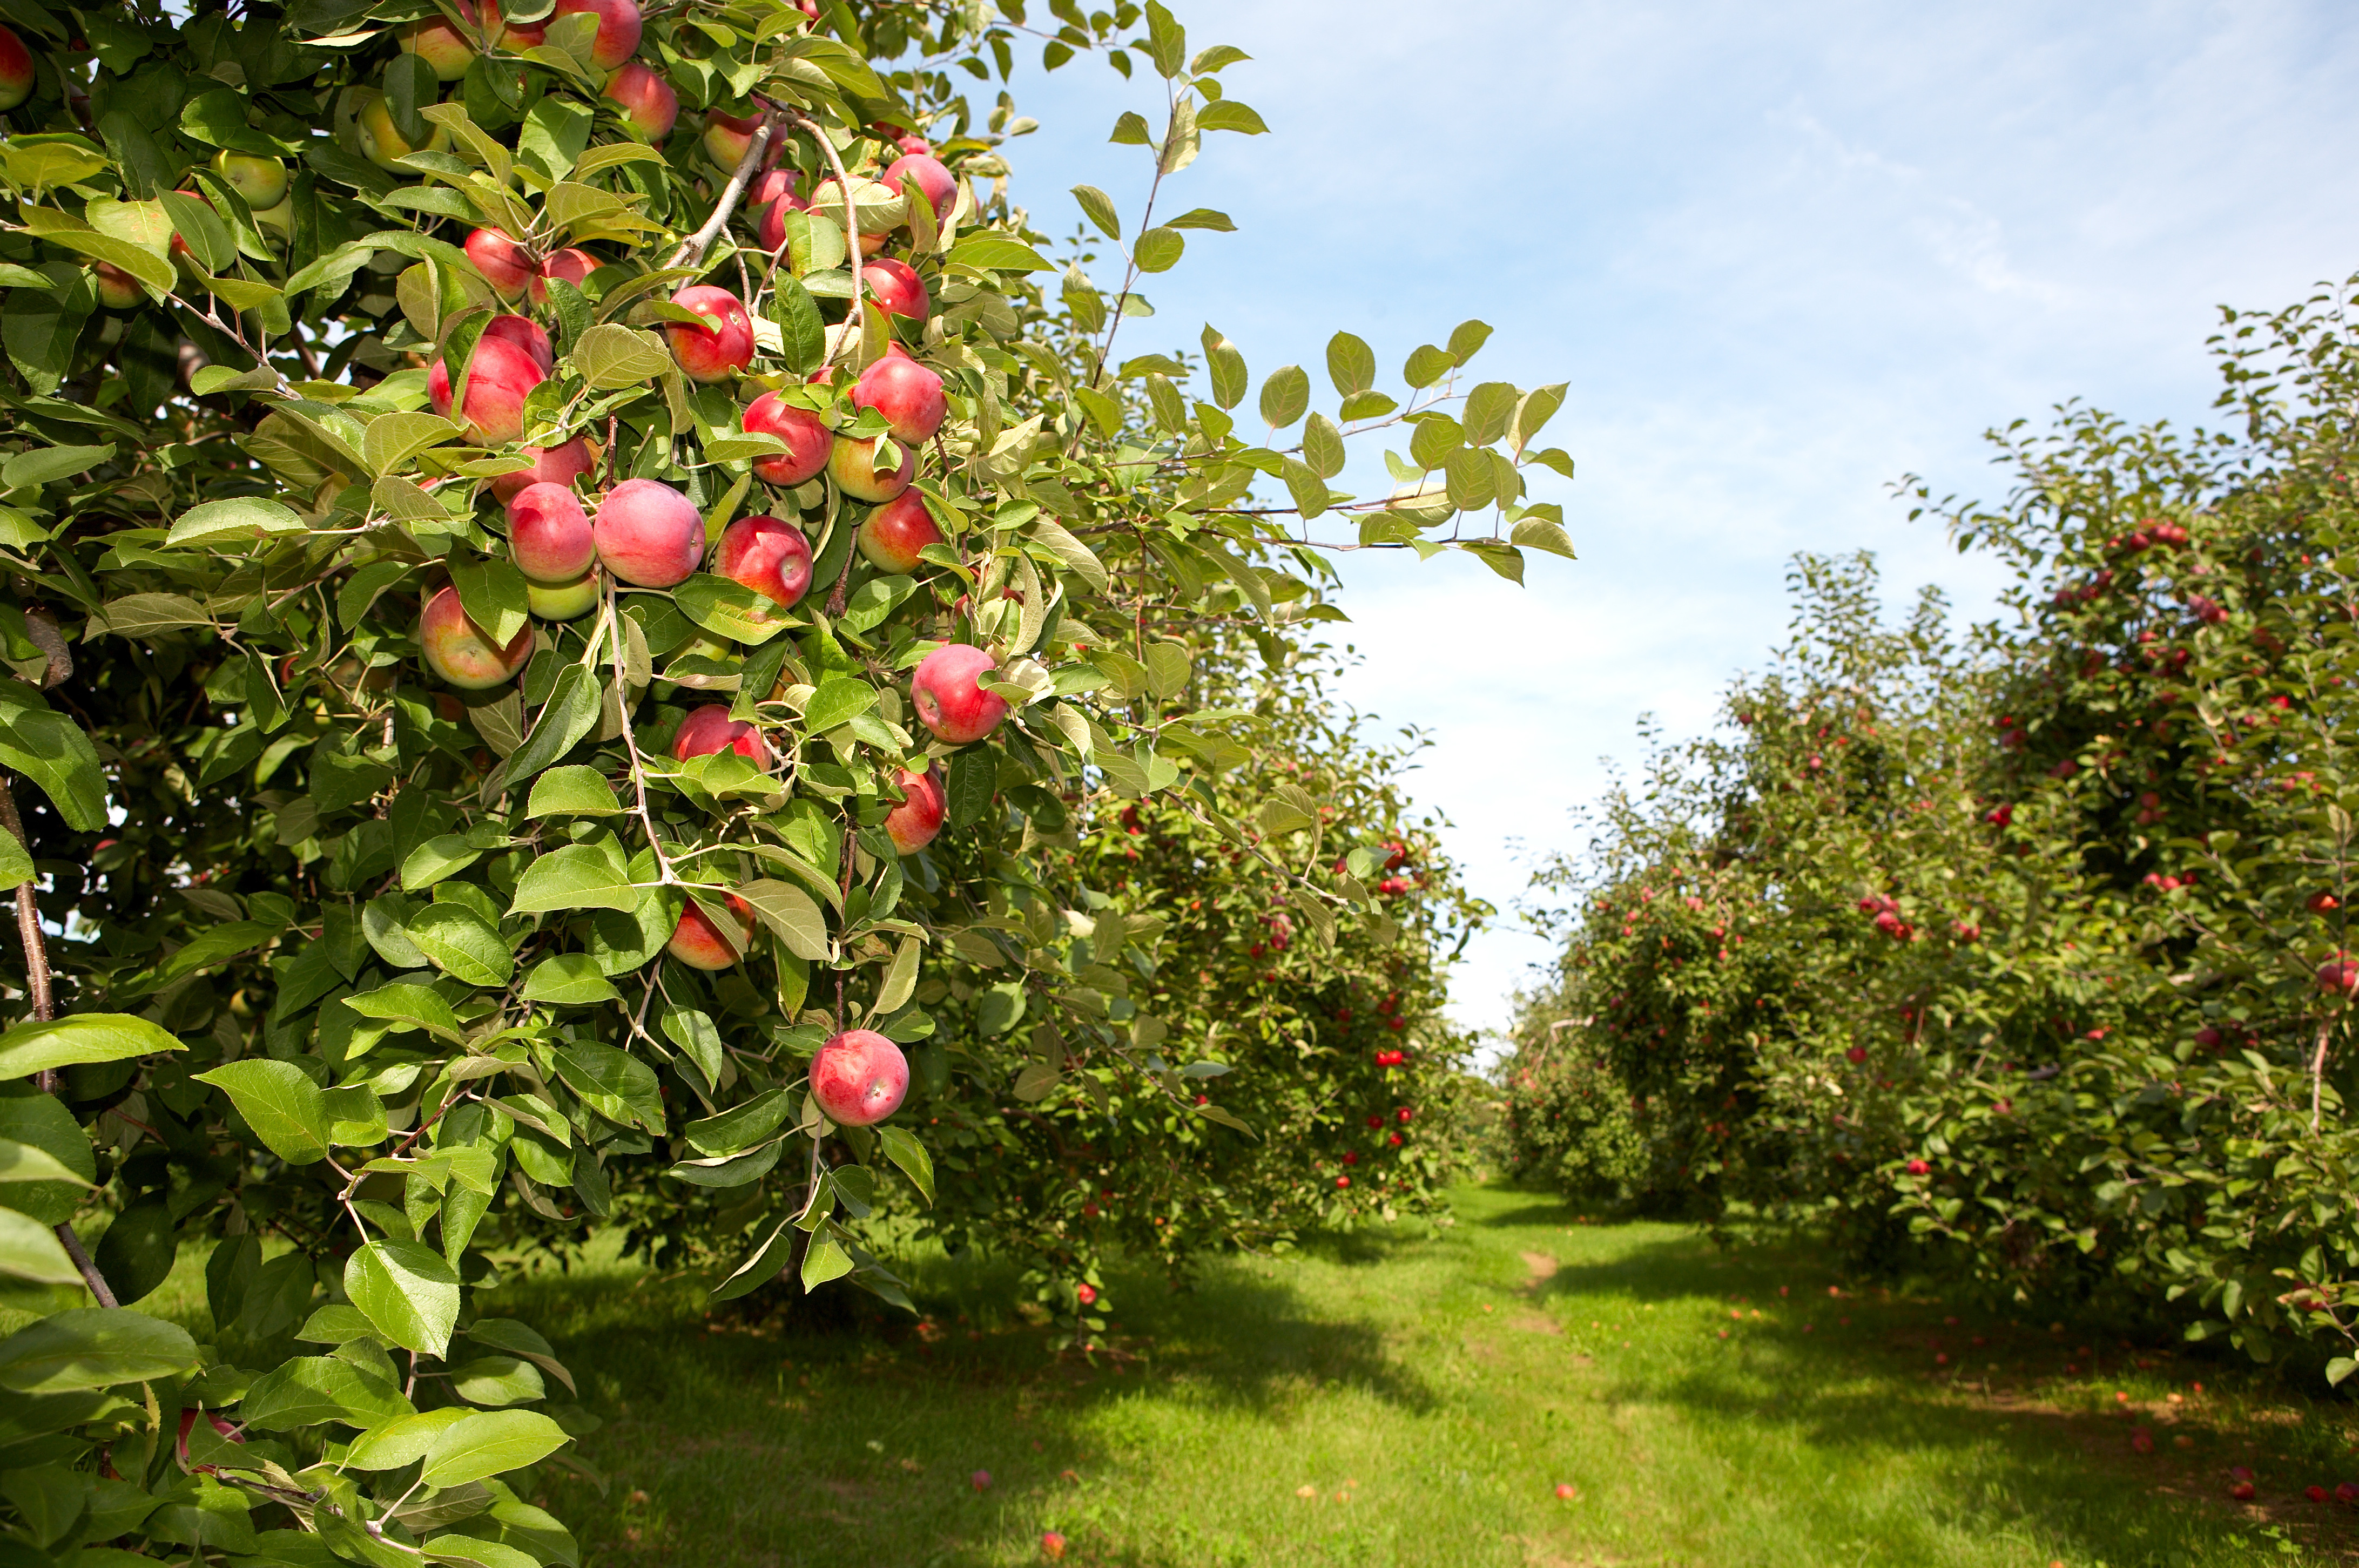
(2315, 1493)
(117, 289)
(949, 699)
(2324, 903)
(16, 71)
(1343, 1180)
(261, 182)
(648, 534)
(807, 439)
(858, 469)
(505, 265)
(572, 264)
(1086, 1292)
(550, 465)
(619, 28)
(892, 536)
(768, 199)
(724, 345)
(979, 1480)
(913, 143)
(550, 534)
(1855, 1055)
(1920, 1168)
(647, 100)
(1565, 1492)
(937, 183)
(463, 653)
(769, 556)
(897, 288)
(527, 334)
(913, 824)
(564, 601)
(859, 1078)
(2338, 976)
(697, 942)
(515, 37)
(498, 378)
(709, 730)
(908, 394)
(434, 40)
(1052, 1546)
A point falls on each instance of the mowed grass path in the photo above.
(1413, 1400)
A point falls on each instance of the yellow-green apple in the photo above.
(913, 823)
(895, 533)
(908, 394)
(897, 288)
(262, 181)
(700, 944)
(859, 1078)
(434, 40)
(710, 731)
(807, 437)
(770, 556)
(724, 345)
(508, 266)
(646, 99)
(564, 601)
(117, 289)
(875, 210)
(382, 143)
(935, 182)
(527, 334)
(278, 220)
(860, 470)
(499, 378)
(550, 465)
(648, 534)
(726, 137)
(463, 653)
(550, 534)
(619, 28)
(16, 71)
(949, 696)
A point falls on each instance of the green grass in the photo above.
(1428, 1394)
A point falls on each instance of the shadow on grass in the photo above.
(761, 1440)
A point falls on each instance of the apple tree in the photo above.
(563, 566)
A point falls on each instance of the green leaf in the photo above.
(693, 1032)
(34, 1047)
(462, 944)
(1536, 409)
(570, 713)
(989, 251)
(1226, 366)
(1203, 218)
(802, 330)
(569, 979)
(1505, 559)
(576, 876)
(1166, 41)
(614, 1083)
(286, 1109)
(444, 855)
(1284, 395)
(575, 791)
(1466, 340)
(493, 594)
(312, 1389)
(26, 1162)
(93, 1347)
(825, 1261)
(838, 701)
(729, 609)
(1158, 249)
(490, 1443)
(611, 356)
(51, 750)
(40, 465)
(248, 519)
(974, 779)
(1228, 114)
(741, 1127)
(136, 1253)
(1488, 409)
(407, 1004)
(407, 1292)
(904, 1149)
(790, 914)
(1426, 365)
(1540, 534)
(1131, 131)
(1098, 207)
(30, 1250)
(405, 1441)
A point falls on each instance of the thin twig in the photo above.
(2317, 1070)
(854, 324)
(630, 741)
(692, 250)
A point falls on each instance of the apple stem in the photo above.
(692, 249)
(45, 1007)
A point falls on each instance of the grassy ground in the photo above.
(1415, 1400)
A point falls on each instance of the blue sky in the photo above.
(1781, 255)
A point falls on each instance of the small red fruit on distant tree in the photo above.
(1856, 1054)
(1053, 1545)
(2338, 976)
(979, 1480)
(1920, 1168)
(1087, 1293)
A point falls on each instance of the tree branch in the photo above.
(853, 323)
(692, 249)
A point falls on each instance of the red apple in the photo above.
(550, 465)
(564, 601)
(647, 100)
(979, 1480)
(727, 136)
(550, 534)
(382, 143)
(709, 730)
(434, 40)
(506, 265)
(619, 28)
(1053, 1545)
(515, 37)
(117, 289)
(894, 533)
(724, 345)
(2340, 975)
(769, 188)
(769, 556)
(648, 534)
(498, 378)
(859, 1078)
(858, 469)
(16, 71)
(913, 824)
(935, 182)
(463, 653)
(572, 265)
(897, 288)
(527, 334)
(908, 394)
(949, 699)
(697, 942)
(1566, 1492)
(807, 437)
(915, 144)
